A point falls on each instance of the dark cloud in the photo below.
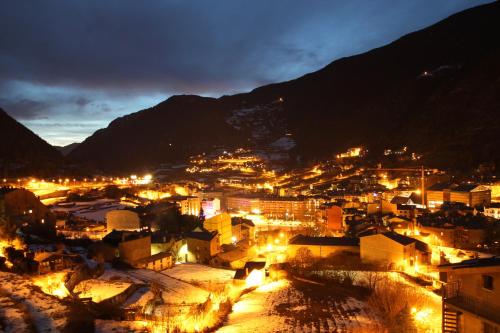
(203, 46)
(25, 108)
(82, 101)
(126, 49)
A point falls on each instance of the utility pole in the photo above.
(422, 182)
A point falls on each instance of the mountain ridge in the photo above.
(433, 90)
(22, 151)
(414, 91)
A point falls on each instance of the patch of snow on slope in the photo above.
(283, 143)
(200, 273)
(44, 312)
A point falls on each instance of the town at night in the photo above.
(264, 166)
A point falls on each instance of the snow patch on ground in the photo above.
(23, 305)
(174, 290)
(100, 290)
(279, 307)
(195, 273)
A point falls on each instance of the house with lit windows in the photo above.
(471, 295)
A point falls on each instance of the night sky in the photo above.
(67, 68)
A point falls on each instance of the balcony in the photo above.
(454, 297)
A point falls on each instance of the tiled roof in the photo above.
(399, 200)
(401, 239)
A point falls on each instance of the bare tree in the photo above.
(392, 301)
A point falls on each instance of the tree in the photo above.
(303, 259)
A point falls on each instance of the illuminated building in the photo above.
(495, 190)
(49, 262)
(242, 229)
(454, 236)
(234, 259)
(471, 295)
(222, 225)
(351, 152)
(201, 245)
(286, 208)
(134, 249)
(468, 194)
(471, 195)
(394, 251)
(332, 215)
(190, 206)
(165, 242)
(493, 211)
(322, 247)
(157, 262)
(210, 206)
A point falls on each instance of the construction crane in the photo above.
(422, 176)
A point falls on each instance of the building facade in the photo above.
(201, 246)
(471, 296)
(190, 206)
(395, 251)
(273, 207)
(222, 225)
(134, 249)
(469, 194)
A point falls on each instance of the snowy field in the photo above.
(23, 308)
(174, 291)
(280, 307)
(100, 290)
(91, 210)
(199, 274)
(139, 298)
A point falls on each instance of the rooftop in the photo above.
(464, 188)
(439, 187)
(401, 239)
(400, 200)
(324, 241)
(472, 263)
(201, 235)
(153, 258)
(405, 240)
(115, 237)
